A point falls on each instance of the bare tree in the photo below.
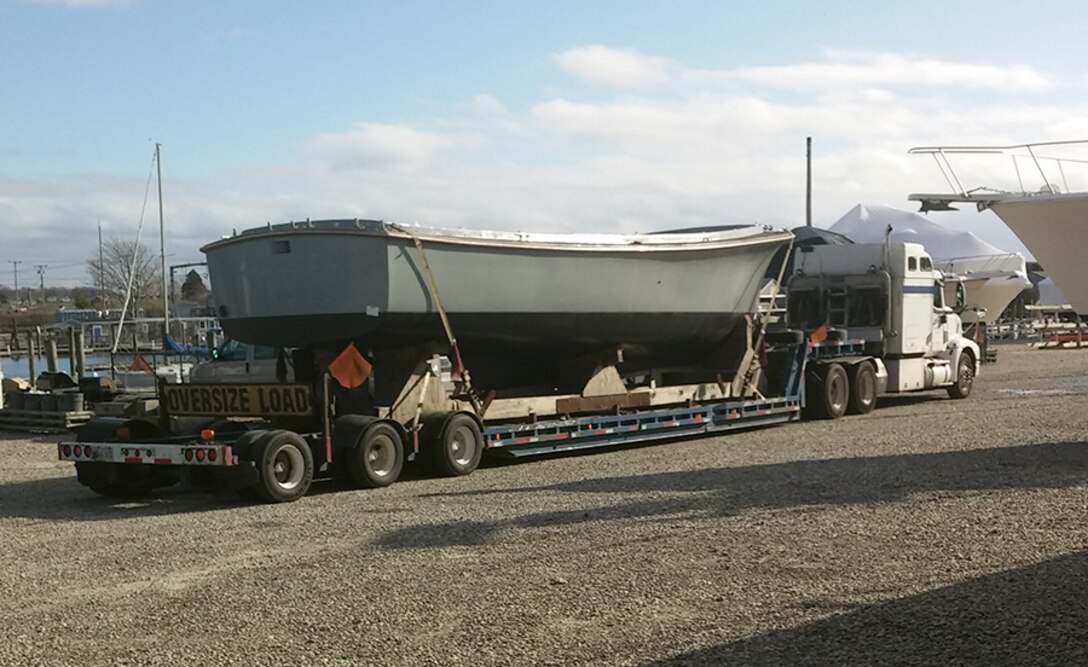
(194, 289)
(120, 259)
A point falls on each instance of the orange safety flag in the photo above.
(140, 364)
(818, 336)
(350, 369)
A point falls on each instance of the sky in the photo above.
(538, 116)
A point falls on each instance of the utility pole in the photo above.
(101, 271)
(15, 266)
(41, 279)
(808, 181)
(162, 249)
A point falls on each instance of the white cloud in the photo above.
(488, 104)
(616, 67)
(712, 147)
(379, 145)
(842, 68)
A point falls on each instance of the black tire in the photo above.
(377, 457)
(828, 392)
(862, 389)
(106, 479)
(285, 466)
(785, 337)
(346, 432)
(114, 480)
(456, 449)
(965, 377)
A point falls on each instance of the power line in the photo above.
(41, 276)
(15, 267)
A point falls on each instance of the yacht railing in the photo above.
(1033, 152)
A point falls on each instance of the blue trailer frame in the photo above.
(127, 456)
(646, 425)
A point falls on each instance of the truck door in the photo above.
(938, 340)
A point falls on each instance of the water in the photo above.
(20, 367)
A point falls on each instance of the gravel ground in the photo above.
(930, 532)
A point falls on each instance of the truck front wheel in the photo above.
(286, 467)
(965, 377)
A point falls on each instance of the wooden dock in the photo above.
(40, 421)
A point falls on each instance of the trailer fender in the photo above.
(100, 429)
(346, 430)
(434, 425)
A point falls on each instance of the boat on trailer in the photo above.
(1036, 202)
(520, 304)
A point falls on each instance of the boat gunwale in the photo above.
(767, 237)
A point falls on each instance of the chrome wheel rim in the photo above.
(462, 445)
(287, 466)
(381, 455)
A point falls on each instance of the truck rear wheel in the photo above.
(457, 449)
(285, 465)
(965, 377)
(377, 457)
(862, 389)
(828, 392)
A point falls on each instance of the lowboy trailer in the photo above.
(890, 331)
(130, 457)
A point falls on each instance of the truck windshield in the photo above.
(232, 350)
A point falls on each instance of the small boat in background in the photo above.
(1036, 202)
(992, 277)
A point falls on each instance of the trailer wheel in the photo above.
(285, 465)
(829, 394)
(862, 389)
(458, 448)
(114, 480)
(965, 377)
(111, 481)
(377, 457)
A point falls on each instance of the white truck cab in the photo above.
(890, 295)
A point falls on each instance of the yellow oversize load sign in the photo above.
(238, 400)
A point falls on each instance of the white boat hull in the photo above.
(520, 300)
(1055, 229)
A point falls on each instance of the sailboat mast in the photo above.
(162, 250)
(101, 271)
